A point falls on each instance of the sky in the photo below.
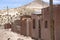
(13, 3)
(18, 3)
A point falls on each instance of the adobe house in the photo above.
(48, 32)
(22, 26)
(31, 25)
(7, 25)
(36, 26)
(16, 26)
(25, 25)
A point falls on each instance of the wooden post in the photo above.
(7, 14)
(51, 21)
(27, 27)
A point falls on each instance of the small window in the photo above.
(39, 23)
(33, 23)
(39, 28)
(46, 24)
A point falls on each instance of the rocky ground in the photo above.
(8, 35)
